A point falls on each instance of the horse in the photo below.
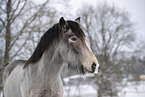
(39, 76)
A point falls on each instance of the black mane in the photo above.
(54, 33)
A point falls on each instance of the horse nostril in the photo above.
(93, 67)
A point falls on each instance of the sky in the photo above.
(136, 9)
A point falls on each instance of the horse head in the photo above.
(73, 48)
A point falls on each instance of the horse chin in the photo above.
(85, 71)
(79, 69)
(89, 71)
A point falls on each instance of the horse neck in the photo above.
(50, 65)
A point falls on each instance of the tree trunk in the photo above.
(100, 87)
(100, 91)
(8, 34)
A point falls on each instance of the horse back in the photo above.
(10, 67)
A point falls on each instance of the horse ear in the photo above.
(78, 20)
(62, 22)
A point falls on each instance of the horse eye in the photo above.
(73, 38)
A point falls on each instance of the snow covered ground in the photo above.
(1, 94)
(79, 91)
(132, 89)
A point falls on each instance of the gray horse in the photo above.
(39, 76)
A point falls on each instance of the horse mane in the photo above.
(54, 33)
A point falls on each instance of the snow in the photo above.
(1, 94)
(133, 89)
(81, 90)
(77, 76)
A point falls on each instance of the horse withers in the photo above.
(39, 76)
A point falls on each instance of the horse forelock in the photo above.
(75, 27)
(53, 34)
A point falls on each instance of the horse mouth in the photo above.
(82, 70)
(94, 70)
(88, 71)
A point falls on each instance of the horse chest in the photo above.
(47, 89)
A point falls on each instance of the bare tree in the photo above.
(136, 64)
(109, 32)
(21, 25)
(17, 17)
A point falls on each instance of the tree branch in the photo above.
(17, 6)
(2, 9)
(28, 21)
(18, 12)
(3, 25)
(21, 47)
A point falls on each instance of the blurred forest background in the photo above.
(109, 31)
